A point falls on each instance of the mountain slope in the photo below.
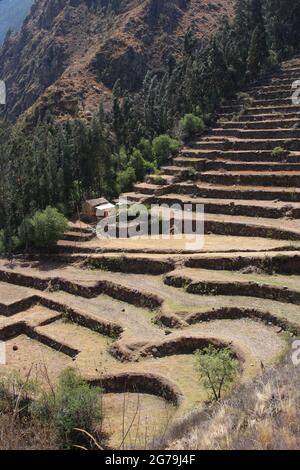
(12, 14)
(70, 52)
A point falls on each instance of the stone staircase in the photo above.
(233, 170)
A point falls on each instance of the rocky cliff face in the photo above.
(69, 53)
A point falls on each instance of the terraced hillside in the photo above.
(130, 313)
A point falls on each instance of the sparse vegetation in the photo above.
(159, 180)
(56, 413)
(74, 404)
(279, 152)
(16, 393)
(218, 370)
(187, 174)
(263, 415)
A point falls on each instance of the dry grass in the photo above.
(212, 243)
(18, 435)
(262, 416)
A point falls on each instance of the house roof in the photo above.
(104, 207)
(97, 202)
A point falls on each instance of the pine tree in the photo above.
(258, 51)
(283, 26)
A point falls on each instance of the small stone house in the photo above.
(96, 208)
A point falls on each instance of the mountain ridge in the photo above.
(69, 53)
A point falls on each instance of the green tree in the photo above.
(164, 147)
(72, 405)
(125, 179)
(190, 126)
(257, 53)
(283, 26)
(47, 227)
(138, 163)
(218, 370)
(145, 147)
(118, 123)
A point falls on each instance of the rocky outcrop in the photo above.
(69, 53)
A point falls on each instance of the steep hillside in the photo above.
(12, 14)
(70, 52)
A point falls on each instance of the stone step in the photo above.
(75, 236)
(267, 85)
(285, 73)
(202, 189)
(268, 88)
(282, 79)
(278, 93)
(259, 101)
(144, 188)
(238, 109)
(172, 170)
(186, 162)
(204, 145)
(133, 196)
(266, 103)
(81, 227)
(251, 166)
(204, 282)
(159, 180)
(242, 155)
(222, 224)
(266, 209)
(242, 226)
(286, 81)
(258, 117)
(283, 179)
(290, 63)
(257, 133)
(244, 144)
(258, 125)
(222, 163)
(279, 263)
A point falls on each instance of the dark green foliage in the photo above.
(283, 26)
(258, 50)
(212, 70)
(46, 228)
(145, 146)
(73, 404)
(138, 163)
(164, 147)
(125, 179)
(257, 53)
(54, 164)
(190, 126)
